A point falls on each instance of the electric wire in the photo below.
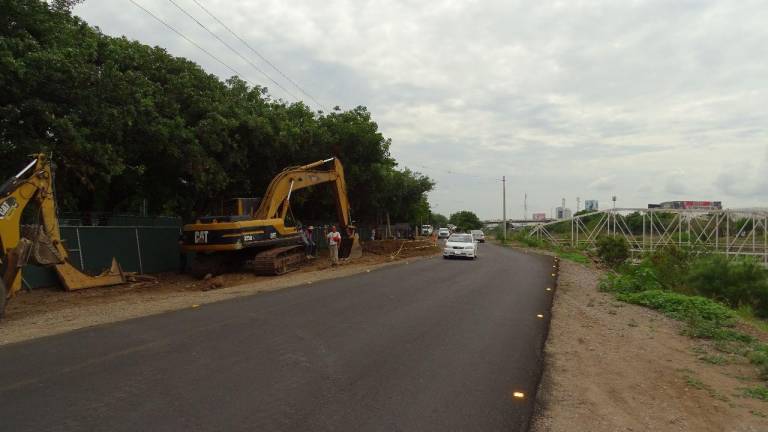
(253, 65)
(232, 32)
(161, 21)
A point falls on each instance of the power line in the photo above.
(233, 50)
(447, 171)
(301, 89)
(190, 41)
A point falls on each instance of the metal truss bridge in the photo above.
(733, 232)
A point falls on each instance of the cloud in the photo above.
(585, 99)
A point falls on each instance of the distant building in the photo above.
(539, 216)
(689, 205)
(590, 205)
(562, 213)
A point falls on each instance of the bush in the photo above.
(737, 281)
(670, 265)
(681, 306)
(631, 279)
(613, 250)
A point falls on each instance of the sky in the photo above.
(648, 101)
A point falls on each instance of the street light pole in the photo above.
(504, 204)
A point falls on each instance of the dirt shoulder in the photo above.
(46, 312)
(611, 366)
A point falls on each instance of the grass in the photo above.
(714, 359)
(756, 393)
(696, 383)
(574, 256)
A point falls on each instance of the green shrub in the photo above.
(737, 281)
(670, 265)
(630, 279)
(613, 250)
(680, 306)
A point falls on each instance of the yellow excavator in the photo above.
(39, 243)
(259, 237)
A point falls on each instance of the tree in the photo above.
(438, 220)
(128, 123)
(465, 220)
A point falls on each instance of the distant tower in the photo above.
(578, 204)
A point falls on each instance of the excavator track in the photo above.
(279, 260)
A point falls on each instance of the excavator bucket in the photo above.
(351, 248)
(73, 279)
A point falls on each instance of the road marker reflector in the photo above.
(549, 289)
(539, 316)
(518, 395)
(553, 275)
(195, 306)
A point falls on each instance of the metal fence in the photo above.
(141, 249)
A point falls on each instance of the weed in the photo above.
(758, 414)
(756, 393)
(714, 359)
(696, 383)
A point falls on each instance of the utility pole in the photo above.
(525, 207)
(504, 204)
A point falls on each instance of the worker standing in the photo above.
(310, 242)
(334, 239)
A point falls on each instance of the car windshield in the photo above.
(460, 238)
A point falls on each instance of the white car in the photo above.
(443, 233)
(426, 230)
(478, 235)
(460, 245)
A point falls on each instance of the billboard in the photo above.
(590, 205)
(539, 216)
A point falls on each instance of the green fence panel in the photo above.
(100, 244)
(159, 249)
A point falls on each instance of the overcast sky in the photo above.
(646, 100)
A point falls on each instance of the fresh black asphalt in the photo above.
(433, 345)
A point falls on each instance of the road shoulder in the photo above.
(612, 366)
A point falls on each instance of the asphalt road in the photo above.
(434, 345)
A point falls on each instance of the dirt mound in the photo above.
(400, 248)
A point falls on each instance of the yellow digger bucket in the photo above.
(73, 279)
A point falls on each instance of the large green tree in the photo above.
(465, 220)
(128, 123)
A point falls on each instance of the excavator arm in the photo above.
(276, 201)
(35, 184)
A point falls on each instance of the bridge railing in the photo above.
(737, 232)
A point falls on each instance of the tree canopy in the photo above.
(465, 220)
(127, 122)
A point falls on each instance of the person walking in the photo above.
(334, 239)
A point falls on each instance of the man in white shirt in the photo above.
(334, 239)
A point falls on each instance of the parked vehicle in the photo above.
(478, 235)
(460, 245)
(443, 233)
(426, 230)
